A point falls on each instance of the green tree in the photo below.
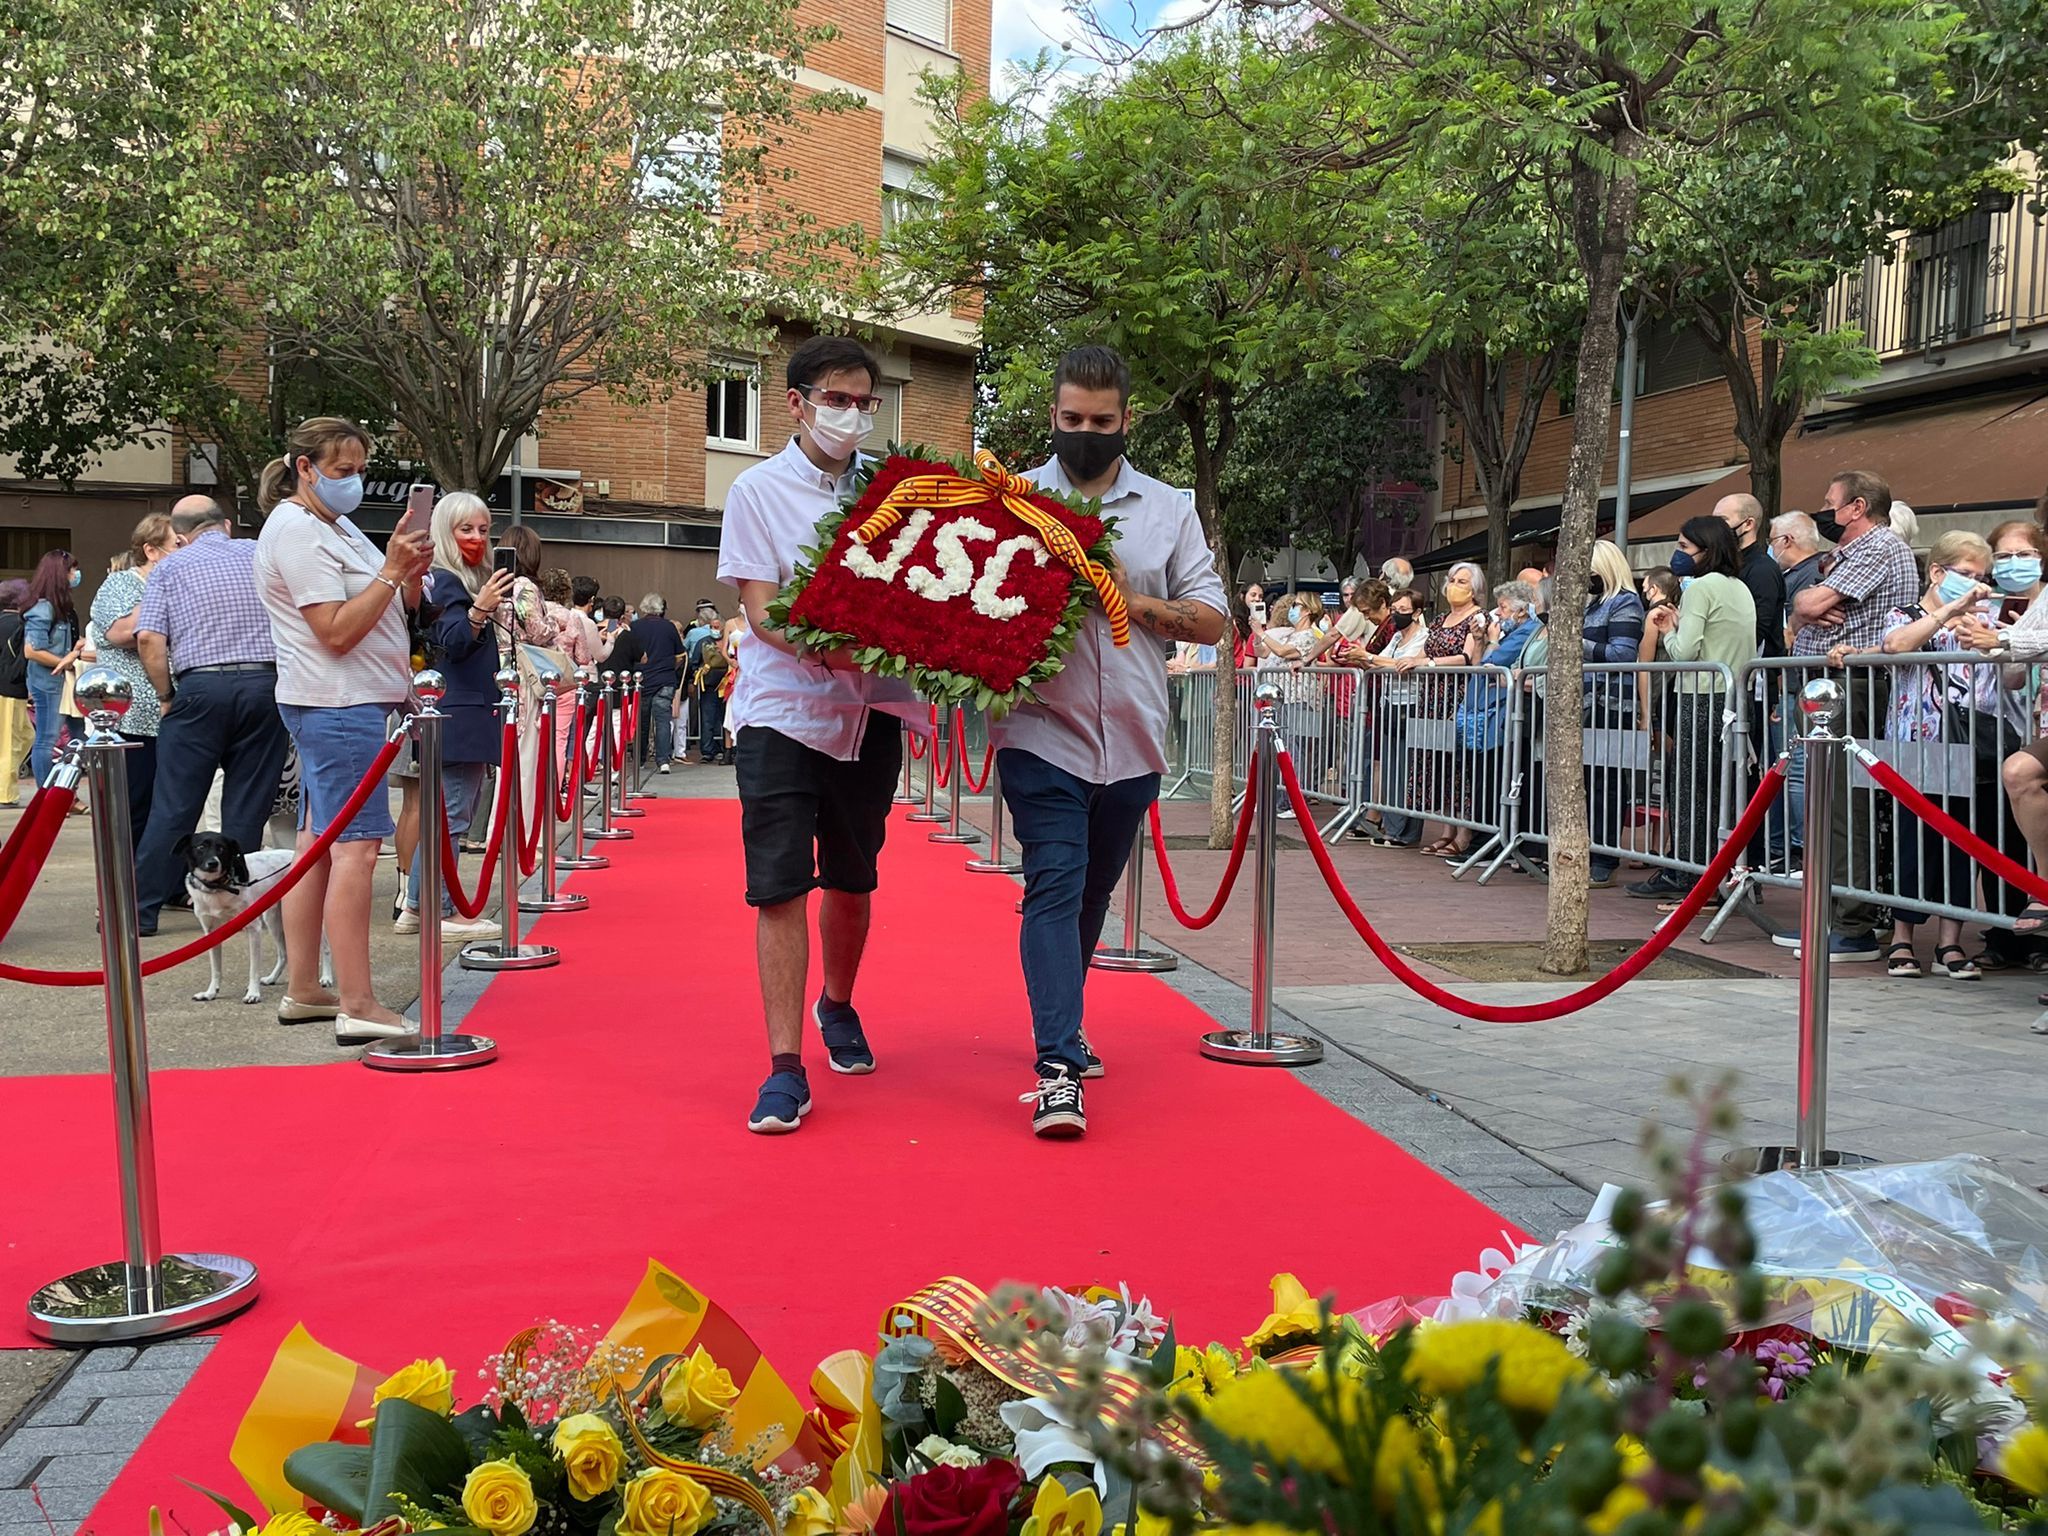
(98, 324)
(1138, 215)
(489, 209)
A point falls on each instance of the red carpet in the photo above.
(399, 1216)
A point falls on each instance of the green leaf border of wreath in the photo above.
(941, 685)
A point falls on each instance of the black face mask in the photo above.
(1830, 526)
(1087, 455)
(1596, 586)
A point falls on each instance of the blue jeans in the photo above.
(657, 708)
(711, 713)
(46, 693)
(1794, 804)
(1076, 839)
(220, 720)
(461, 789)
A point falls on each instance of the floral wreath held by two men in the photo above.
(969, 582)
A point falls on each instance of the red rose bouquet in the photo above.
(968, 582)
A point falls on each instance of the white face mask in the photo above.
(839, 431)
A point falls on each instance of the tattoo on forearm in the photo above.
(1171, 619)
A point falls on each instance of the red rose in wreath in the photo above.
(971, 586)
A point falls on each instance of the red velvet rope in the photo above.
(573, 770)
(1237, 846)
(1531, 1013)
(942, 762)
(916, 746)
(501, 806)
(28, 845)
(171, 959)
(529, 841)
(988, 757)
(2007, 869)
(629, 718)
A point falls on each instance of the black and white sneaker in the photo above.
(1057, 1113)
(845, 1043)
(1091, 1067)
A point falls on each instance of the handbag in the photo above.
(13, 658)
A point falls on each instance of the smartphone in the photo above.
(419, 510)
(1258, 613)
(506, 560)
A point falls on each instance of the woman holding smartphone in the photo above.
(463, 594)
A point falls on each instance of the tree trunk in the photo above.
(1498, 511)
(1603, 208)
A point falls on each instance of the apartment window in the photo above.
(889, 419)
(927, 20)
(690, 167)
(1947, 277)
(732, 408)
(903, 197)
(1670, 355)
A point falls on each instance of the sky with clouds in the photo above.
(1023, 27)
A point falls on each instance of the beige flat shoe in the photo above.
(292, 1012)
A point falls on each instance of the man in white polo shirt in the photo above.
(816, 763)
(1081, 766)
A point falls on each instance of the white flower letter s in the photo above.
(997, 571)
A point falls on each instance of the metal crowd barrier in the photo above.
(1672, 751)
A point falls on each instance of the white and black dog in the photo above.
(222, 880)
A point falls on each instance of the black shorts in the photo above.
(809, 820)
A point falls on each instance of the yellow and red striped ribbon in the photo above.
(946, 492)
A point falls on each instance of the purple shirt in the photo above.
(202, 599)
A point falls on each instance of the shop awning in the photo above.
(1536, 526)
(1989, 454)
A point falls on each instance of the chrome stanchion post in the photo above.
(906, 795)
(607, 752)
(629, 770)
(148, 1293)
(955, 832)
(506, 953)
(576, 858)
(995, 863)
(942, 741)
(547, 794)
(639, 755)
(1820, 703)
(430, 1050)
(1259, 1045)
(1133, 956)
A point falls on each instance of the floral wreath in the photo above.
(982, 634)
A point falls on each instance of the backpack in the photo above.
(13, 658)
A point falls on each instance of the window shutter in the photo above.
(927, 19)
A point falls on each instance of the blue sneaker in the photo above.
(1843, 949)
(785, 1100)
(844, 1042)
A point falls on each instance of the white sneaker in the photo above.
(407, 921)
(349, 1030)
(2040, 1025)
(662, 769)
(469, 928)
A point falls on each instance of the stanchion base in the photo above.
(954, 837)
(587, 861)
(608, 834)
(1132, 960)
(1755, 1160)
(493, 955)
(906, 799)
(993, 867)
(625, 812)
(447, 1053)
(561, 901)
(1235, 1045)
(928, 816)
(91, 1306)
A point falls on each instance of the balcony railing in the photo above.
(1982, 275)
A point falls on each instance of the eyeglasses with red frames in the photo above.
(839, 400)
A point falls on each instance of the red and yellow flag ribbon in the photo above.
(949, 491)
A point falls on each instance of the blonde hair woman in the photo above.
(1612, 632)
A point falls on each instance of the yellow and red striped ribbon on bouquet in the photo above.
(950, 491)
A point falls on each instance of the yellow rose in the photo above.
(293, 1522)
(810, 1514)
(697, 1391)
(664, 1503)
(591, 1454)
(1534, 1365)
(1296, 1319)
(429, 1383)
(498, 1497)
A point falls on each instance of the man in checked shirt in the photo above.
(1871, 572)
(204, 637)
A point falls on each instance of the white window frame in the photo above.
(889, 419)
(901, 194)
(929, 21)
(695, 162)
(742, 371)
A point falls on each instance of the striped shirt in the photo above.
(202, 599)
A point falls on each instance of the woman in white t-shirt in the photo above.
(337, 616)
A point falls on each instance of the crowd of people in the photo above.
(266, 675)
(1841, 582)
